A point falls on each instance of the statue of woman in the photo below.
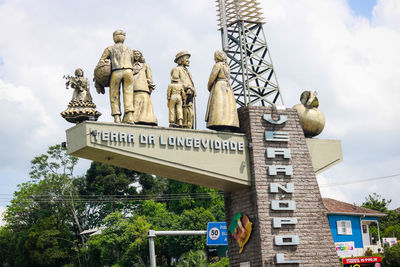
(80, 85)
(221, 112)
(142, 88)
(81, 106)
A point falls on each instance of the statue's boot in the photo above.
(117, 118)
(128, 118)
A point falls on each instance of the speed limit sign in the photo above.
(217, 234)
(214, 233)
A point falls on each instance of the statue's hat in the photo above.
(181, 54)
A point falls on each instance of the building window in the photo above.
(364, 228)
(344, 227)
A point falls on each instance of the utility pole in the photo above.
(153, 234)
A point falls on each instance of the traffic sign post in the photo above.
(217, 234)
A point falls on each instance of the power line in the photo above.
(149, 195)
(360, 180)
(93, 198)
(113, 198)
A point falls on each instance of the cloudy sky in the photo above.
(347, 50)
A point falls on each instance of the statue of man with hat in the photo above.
(121, 58)
(182, 75)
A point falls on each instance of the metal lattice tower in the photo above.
(252, 75)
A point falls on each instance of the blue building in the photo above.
(350, 226)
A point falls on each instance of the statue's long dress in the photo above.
(143, 107)
(81, 106)
(221, 109)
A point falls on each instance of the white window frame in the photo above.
(344, 227)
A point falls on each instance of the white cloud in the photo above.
(329, 191)
(26, 122)
(387, 14)
(353, 64)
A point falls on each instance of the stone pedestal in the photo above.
(303, 238)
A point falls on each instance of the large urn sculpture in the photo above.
(312, 120)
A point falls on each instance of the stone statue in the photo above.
(184, 78)
(176, 97)
(120, 57)
(221, 111)
(81, 107)
(142, 86)
(312, 120)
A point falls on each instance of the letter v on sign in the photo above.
(282, 119)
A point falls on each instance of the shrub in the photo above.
(391, 257)
(193, 259)
(224, 262)
(368, 252)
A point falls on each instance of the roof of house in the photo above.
(333, 206)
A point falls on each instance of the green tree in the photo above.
(392, 231)
(42, 221)
(123, 242)
(160, 219)
(48, 212)
(152, 186)
(7, 246)
(105, 188)
(186, 196)
(388, 224)
(107, 180)
(45, 240)
(376, 202)
(195, 219)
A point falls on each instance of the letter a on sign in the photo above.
(273, 151)
(286, 169)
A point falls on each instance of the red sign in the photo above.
(362, 260)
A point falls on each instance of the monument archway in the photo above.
(267, 172)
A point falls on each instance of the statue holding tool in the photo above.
(182, 74)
